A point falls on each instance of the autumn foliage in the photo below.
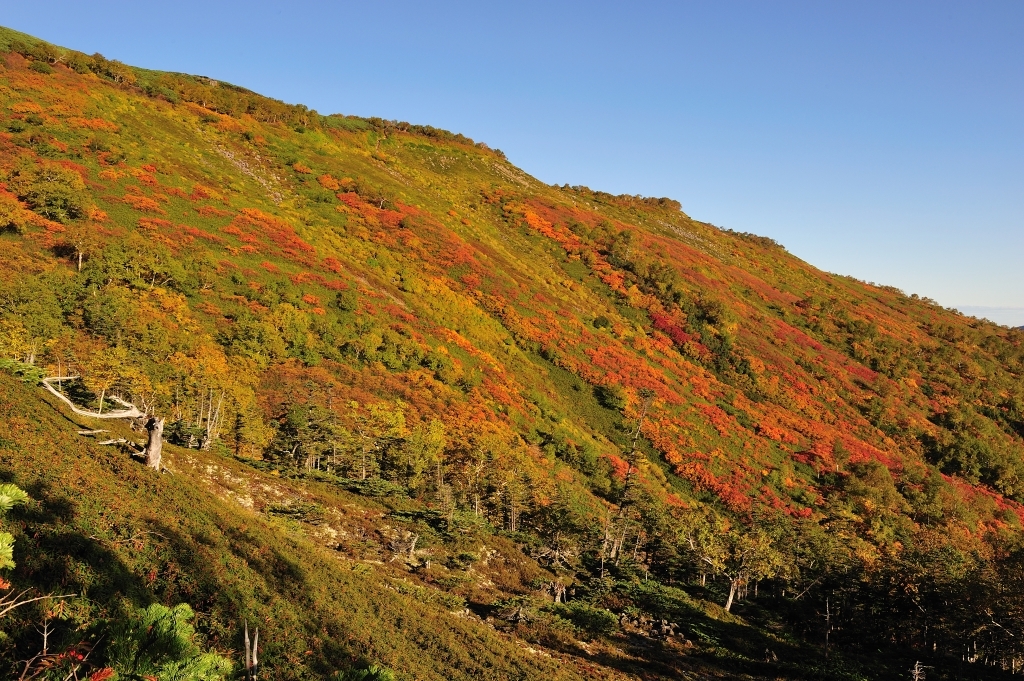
(603, 379)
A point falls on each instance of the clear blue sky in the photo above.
(879, 139)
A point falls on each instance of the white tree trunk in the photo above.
(733, 583)
(155, 446)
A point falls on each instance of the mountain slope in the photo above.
(613, 389)
(105, 527)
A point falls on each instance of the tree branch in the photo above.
(18, 603)
(131, 413)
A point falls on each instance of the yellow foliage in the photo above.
(12, 214)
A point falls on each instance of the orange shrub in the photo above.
(328, 182)
(142, 203)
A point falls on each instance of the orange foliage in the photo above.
(200, 192)
(211, 211)
(328, 182)
(142, 203)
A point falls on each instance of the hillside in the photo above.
(427, 411)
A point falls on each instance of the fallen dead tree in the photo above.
(132, 412)
(153, 450)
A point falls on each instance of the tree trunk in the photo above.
(155, 446)
(733, 583)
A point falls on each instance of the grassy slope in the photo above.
(105, 527)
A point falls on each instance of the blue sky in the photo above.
(882, 140)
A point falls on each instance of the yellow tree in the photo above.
(721, 548)
(423, 449)
(110, 369)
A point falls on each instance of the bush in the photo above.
(158, 643)
(548, 630)
(10, 496)
(372, 673)
(593, 620)
(374, 487)
(423, 594)
(29, 373)
(41, 67)
(12, 215)
(348, 301)
(611, 396)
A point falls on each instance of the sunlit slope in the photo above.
(403, 309)
(451, 256)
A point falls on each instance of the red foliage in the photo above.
(154, 223)
(665, 324)
(211, 211)
(784, 331)
(862, 372)
(278, 232)
(774, 432)
(200, 234)
(200, 192)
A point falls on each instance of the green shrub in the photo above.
(348, 301)
(311, 513)
(372, 673)
(10, 496)
(55, 192)
(593, 620)
(425, 595)
(374, 487)
(157, 642)
(29, 373)
(549, 630)
(611, 396)
(41, 67)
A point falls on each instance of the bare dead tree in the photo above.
(129, 412)
(251, 653)
(405, 545)
(11, 601)
(155, 445)
(155, 426)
